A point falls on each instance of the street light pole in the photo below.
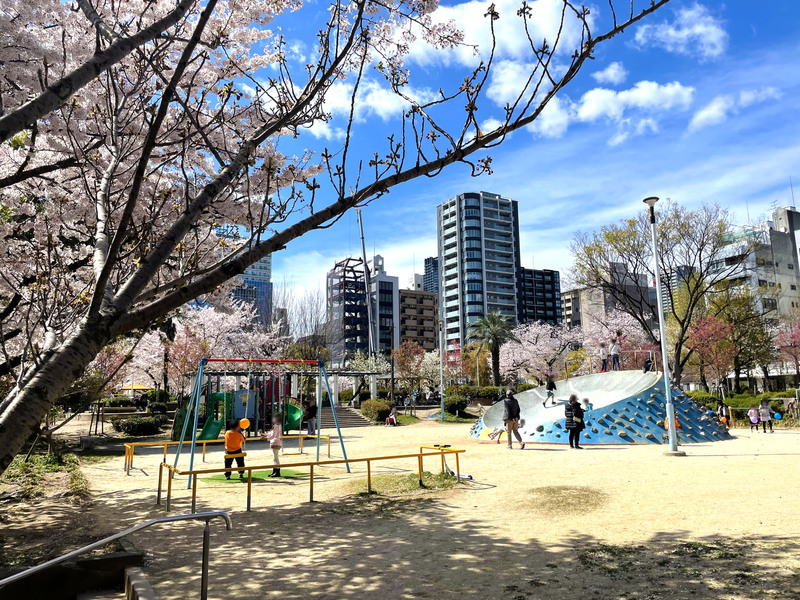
(441, 369)
(670, 418)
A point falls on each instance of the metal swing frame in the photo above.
(193, 408)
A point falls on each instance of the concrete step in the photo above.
(347, 417)
(102, 595)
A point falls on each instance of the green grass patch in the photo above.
(30, 475)
(560, 500)
(78, 484)
(258, 476)
(453, 419)
(407, 419)
(403, 484)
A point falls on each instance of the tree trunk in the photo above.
(496, 365)
(24, 413)
(703, 380)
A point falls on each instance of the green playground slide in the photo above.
(211, 429)
(294, 417)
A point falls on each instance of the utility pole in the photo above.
(391, 389)
(367, 289)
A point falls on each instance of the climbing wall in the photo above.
(629, 408)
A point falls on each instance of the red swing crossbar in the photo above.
(263, 361)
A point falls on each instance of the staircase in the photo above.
(348, 417)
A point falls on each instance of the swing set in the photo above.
(263, 390)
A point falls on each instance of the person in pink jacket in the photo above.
(275, 442)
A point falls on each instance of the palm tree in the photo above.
(493, 330)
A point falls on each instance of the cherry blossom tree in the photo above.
(787, 340)
(633, 339)
(539, 351)
(131, 131)
(408, 359)
(710, 340)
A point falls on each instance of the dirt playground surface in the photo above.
(544, 523)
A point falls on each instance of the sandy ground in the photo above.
(546, 522)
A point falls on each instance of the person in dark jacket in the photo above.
(551, 392)
(511, 415)
(574, 421)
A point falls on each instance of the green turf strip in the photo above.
(258, 476)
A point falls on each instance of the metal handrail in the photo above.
(207, 516)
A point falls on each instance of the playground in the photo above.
(609, 522)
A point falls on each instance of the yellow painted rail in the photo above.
(130, 448)
(311, 464)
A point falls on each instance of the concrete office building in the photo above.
(385, 295)
(416, 282)
(430, 277)
(418, 322)
(766, 258)
(478, 239)
(539, 296)
(580, 306)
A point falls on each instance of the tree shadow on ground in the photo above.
(418, 546)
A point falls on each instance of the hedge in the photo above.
(137, 426)
(161, 396)
(157, 407)
(376, 410)
(471, 391)
(455, 404)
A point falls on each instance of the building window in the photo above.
(793, 287)
(762, 283)
(791, 266)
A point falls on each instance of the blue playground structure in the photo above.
(628, 408)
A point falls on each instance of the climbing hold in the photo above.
(622, 433)
(649, 436)
(540, 428)
(594, 430)
(607, 432)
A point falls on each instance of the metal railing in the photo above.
(194, 473)
(131, 447)
(207, 516)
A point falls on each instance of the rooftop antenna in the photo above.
(791, 187)
(747, 207)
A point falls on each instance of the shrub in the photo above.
(363, 395)
(346, 396)
(161, 396)
(376, 410)
(455, 404)
(161, 418)
(157, 407)
(524, 387)
(471, 391)
(119, 401)
(137, 426)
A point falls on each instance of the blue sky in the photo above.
(700, 104)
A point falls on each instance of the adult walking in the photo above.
(613, 349)
(574, 422)
(765, 416)
(311, 418)
(511, 415)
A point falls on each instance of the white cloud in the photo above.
(508, 80)
(718, 110)
(510, 36)
(628, 129)
(491, 124)
(372, 99)
(645, 95)
(555, 118)
(613, 74)
(695, 31)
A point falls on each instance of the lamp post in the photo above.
(441, 369)
(670, 419)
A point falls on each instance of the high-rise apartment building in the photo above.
(256, 285)
(418, 322)
(478, 239)
(385, 295)
(430, 277)
(538, 296)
